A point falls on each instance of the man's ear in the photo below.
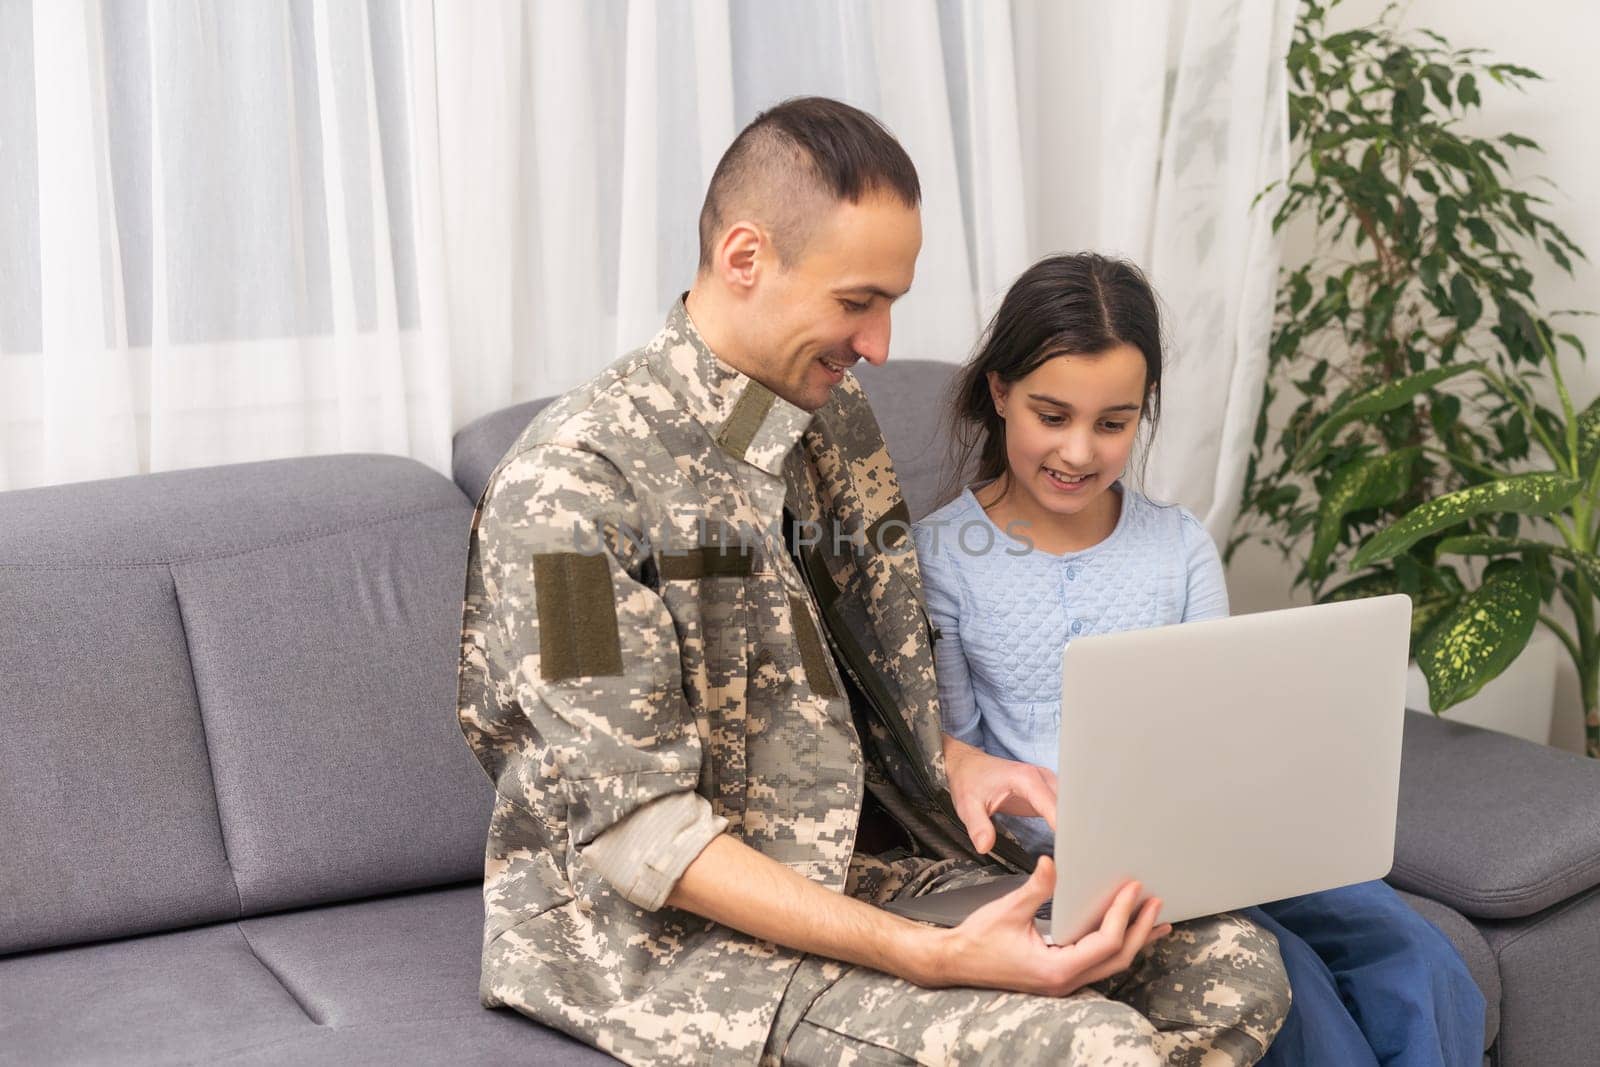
(739, 254)
(998, 391)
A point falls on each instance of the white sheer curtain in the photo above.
(512, 197)
(578, 141)
(221, 235)
(1151, 127)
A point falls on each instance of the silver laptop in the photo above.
(1222, 764)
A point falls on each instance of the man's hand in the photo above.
(981, 784)
(998, 946)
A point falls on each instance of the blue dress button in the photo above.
(1077, 626)
(1072, 572)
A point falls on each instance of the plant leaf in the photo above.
(1469, 308)
(1376, 583)
(1367, 483)
(1426, 605)
(1482, 233)
(1482, 545)
(1485, 545)
(1589, 438)
(1480, 636)
(1540, 493)
(1372, 401)
(1426, 611)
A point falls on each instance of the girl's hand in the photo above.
(981, 784)
(998, 946)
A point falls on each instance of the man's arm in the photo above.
(997, 947)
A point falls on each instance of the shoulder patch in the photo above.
(577, 616)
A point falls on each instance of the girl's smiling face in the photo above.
(1070, 425)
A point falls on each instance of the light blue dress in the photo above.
(1005, 612)
(1373, 981)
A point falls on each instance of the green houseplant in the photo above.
(1435, 449)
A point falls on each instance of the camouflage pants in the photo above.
(1211, 993)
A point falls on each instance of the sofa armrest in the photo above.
(1491, 825)
(478, 447)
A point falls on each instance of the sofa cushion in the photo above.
(390, 980)
(396, 980)
(326, 671)
(1494, 826)
(108, 825)
(410, 956)
(285, 630)
(489, 1039)
(155, 999)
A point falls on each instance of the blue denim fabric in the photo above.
(1373, 983)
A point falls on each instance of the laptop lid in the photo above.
(1230, 762)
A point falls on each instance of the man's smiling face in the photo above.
(812, 319)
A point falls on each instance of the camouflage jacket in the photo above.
(637, 677)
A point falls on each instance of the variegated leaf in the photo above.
(1486, 545)
(1425, 611)
(1589, 439)
(1480, 636)
(1540, 493)
(1367, 483)
(1482, 545)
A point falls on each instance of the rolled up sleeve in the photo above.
(591, 661)
(645, 854)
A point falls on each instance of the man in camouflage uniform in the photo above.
(685, 701)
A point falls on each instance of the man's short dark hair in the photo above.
(796, 159)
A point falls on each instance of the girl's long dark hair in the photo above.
(1079, 304)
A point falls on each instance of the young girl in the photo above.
(1049, 544)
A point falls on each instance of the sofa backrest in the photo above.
(481, 444)
(229, 691)
(907, 396)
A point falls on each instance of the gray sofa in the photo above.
(238, 823)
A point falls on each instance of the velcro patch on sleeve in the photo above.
(577, 616)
